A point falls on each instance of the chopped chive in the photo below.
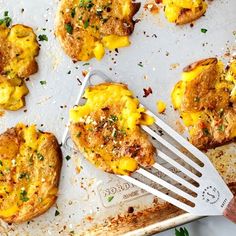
(110, 198)
(43, 82)
(69, 28)
(68, 157)
(203, 30)
(86, 24)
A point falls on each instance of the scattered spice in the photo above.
(147, 92)
(68, 157)
(57, 213)
(40, 156)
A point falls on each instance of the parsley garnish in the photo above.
(181, 232)
(69, 28)
(110, 198)
(221, 128)
(40, 156)
(23, 196)
(43, 37)
(68, 157)
(1, 163)
(114, 118)
(86, 64)
(72, 13)
(24, 175)
(206, 131)
(43, 82)
(86, 24)
(57, 213)
(203, 30)
(140, 64)
(6, 20)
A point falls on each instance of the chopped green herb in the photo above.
(43, 82)
(114, 118)
(72, 13)
(86, 24)
(40, 156)
(221, 128)
(68, 157)
(110, 198)
(6, 20)
(140, 64)
(206, 131)
(23, 196)
(43, 37)
(57, 213)
(69, 72)
(1, 163)
(181, 232)
(78, 134)
(86, 64)
(203, 30)
(69, 28)
(24, 175)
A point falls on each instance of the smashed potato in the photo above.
(107, 129)
(18, 49)
(86, 27)
(206, 100)
(30, 164)
(184, 11)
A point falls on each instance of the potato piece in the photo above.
(30, 176)
(84, 26)
(106, 129)
(205, 100)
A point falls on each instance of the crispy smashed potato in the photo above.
(18, 49)
(30, 164)
(86, 27)
(184, 11)
(206, 100)
(107, 129)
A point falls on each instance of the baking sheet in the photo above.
(164, 50)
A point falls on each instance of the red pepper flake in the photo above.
(152, 8)
(147, 92)
(84, 72)
(158, 1)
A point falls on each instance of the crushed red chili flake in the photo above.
(158, 1)
(84, 72)
(147, 92)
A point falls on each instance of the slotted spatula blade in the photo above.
(209, 193)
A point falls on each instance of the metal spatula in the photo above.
(204, 193)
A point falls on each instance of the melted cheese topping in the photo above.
(174, 8)
(123, 120)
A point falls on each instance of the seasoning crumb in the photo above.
(161, 106)
(147, 92)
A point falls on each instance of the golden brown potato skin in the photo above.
(109, 22)
(37, 172)
(9, 51)
(103, 138)
(209, 95)
(188, 16)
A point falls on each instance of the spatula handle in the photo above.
(230, 211)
